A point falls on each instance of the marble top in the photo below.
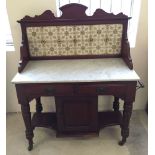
(77, 70)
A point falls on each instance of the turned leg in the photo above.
(39, 107)
(125, 122)
(116, 104)
(25, 108)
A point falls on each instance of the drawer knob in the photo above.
(50, 90)
(100, 90)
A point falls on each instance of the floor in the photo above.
(46, 143)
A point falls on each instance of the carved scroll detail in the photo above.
(126, 54)
(102, 14)
(69, 11)
(45, 16)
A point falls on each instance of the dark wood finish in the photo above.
(24, 50)
(125, 122)
(76, 103)
(69, 13)
(77, 114)
(104, 88)
(116, 104)
(114, 88)
(71, 17)
(82, 99)
(25, 108)
(48, 120)
(128, 104)
(74, 57)
(109, 118)
(126, 53)
(39, 107)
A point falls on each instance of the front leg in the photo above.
(25, 108)
(116, 104)
(125, 122)
(39, 107)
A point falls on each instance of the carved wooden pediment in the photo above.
(73, 11)
(45, 16)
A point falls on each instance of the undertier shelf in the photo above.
(108, 118)
(44, 120)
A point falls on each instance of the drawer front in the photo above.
(48, 90)
(70, 90)
(102, 89)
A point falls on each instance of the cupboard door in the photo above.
(77, 114)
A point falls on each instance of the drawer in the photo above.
(48, 89)
(77, 89)
(102, 89)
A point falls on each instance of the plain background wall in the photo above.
(17, 9)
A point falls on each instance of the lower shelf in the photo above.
(108, 118)
(47, 120)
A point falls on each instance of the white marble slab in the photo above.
(79, 70)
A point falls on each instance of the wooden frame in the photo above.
(75, 95)
(71, 17)
(83, 91)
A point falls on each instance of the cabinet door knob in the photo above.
(49, 90)
(101, 90)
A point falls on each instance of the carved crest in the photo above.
(73, 11)
(45, 16)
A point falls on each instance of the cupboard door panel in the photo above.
(77, 114)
